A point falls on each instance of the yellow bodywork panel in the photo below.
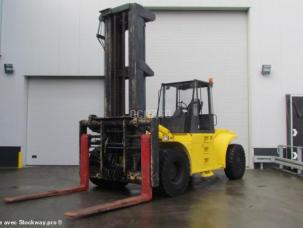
(206, 151)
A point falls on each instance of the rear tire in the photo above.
(174, 172)
(235, 162)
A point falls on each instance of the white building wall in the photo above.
(56, 37)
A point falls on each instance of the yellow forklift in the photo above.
(127, 146)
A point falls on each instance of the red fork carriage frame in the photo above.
(146, 188)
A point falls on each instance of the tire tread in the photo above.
(233, 170)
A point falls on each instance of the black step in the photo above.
(114, 144)
(114, 147)
(132, 136)
(113, 131)
(133, 148)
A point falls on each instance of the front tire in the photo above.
(94, 166)
(174, 172)
(235, 162)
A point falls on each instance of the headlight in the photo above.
(165, 138)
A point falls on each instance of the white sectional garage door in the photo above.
(55, 106)
(187, 45)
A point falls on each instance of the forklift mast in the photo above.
(115, 146)
(118, 22)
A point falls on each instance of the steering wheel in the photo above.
(182, 105)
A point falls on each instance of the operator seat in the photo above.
(194, 107)
(192, 118)
(178, 112)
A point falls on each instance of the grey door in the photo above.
(55, 106)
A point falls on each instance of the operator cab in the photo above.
(186, 107)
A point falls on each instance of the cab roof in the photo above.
(188, 84)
